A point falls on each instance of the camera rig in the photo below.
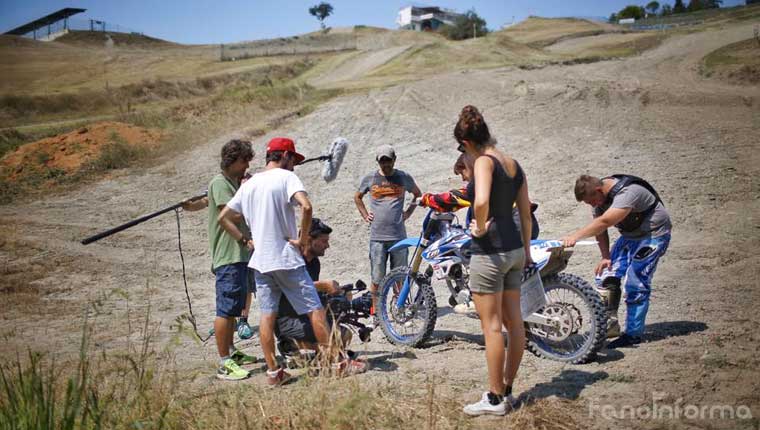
(348, 311)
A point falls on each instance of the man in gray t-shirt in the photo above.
(633, 206)
(387, 188)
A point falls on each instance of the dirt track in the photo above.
(695, 140)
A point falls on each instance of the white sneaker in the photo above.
(484, 407)
(465, 308)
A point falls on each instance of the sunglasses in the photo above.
(461, 148)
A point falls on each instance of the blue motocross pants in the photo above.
(636, 260)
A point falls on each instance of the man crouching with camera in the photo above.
(294, 332)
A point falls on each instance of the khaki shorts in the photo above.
(494, 273)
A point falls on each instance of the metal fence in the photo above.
(309, 44)
(62, 26)
(691, 18)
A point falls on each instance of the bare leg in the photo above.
(266, 331)
(489, 309)
(513, 321)
(318, 321)
(223, 329)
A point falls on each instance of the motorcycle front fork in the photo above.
(411, 275)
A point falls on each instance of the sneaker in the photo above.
(486, 406)
(624, 341)
(613, 328)
(244, 330)
(349, 367)
(278, 377)
(241, 358)
(230, 371)
(465, 308)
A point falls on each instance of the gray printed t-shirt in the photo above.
(639, 199)
(386, 202)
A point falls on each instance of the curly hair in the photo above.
(472, 127)
(235, 149)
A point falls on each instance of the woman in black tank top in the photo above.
(500, 253)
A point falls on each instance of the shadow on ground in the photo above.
(567, 385)
(663, 330)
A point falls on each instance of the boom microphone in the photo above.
(334, 158)
(336, 151)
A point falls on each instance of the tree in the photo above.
(679, 7)
(614, 18)
(666, 10)
(631, 11)
(652, 7)
(321, 12)
(752, 1)
(695, 5)
(465, 26)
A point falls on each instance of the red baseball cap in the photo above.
(284, 144)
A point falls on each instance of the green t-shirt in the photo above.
(224, 249)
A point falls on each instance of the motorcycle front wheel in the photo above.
(580, 321)
(413, 323)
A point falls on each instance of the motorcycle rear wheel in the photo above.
(583, 321)
(413, 324)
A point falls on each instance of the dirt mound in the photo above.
(70, 152)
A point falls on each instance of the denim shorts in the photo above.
(297, 286)
(231, 288)
(494, 273)
(378, 258)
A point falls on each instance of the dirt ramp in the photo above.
(359, 65)
(69, 153)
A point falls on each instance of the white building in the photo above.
(425, 18)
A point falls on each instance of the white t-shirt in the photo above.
(266, 202)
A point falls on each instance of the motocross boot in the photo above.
(609, 290)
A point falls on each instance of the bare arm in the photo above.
(328, 287)
(306, 210)
(366, 216)
(226, 219)
(195, 205)
(483, 179)
(599, 225)
(603, 240)
(526, 223)
(410, 210)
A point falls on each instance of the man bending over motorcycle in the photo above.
(632, 205)
(294, 332)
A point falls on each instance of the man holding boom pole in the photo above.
(229, 257)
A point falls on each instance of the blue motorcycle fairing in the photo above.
(405, 243)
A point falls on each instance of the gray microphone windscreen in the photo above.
(337, 151)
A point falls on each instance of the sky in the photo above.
(226, 21)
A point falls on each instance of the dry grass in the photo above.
(738, 63)
(271, 96)
(541, 32)
(140, 387)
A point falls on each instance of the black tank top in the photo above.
(502, 235)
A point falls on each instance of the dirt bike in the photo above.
(570, 328)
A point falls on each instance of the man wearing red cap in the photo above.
(267, 202)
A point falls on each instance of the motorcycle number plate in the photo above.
(438, 272)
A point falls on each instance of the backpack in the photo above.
(634, 220)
